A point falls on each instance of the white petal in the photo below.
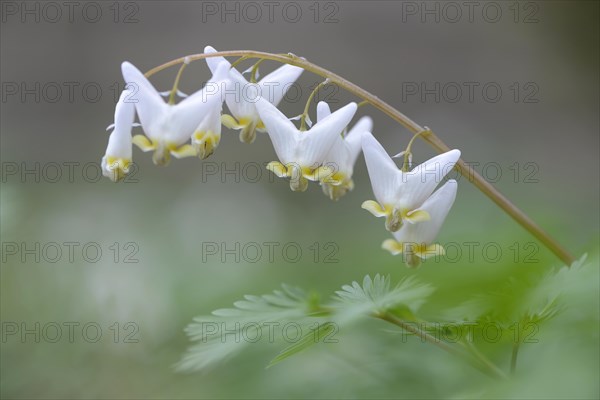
(323, 110)
(353, 139)
(338, 157)
(241, 95)
(151, 108)
(241, 100)
(281, 130)
(424, 178)
(275, 85)
(187, 114)
(119, 142)
(317, 141)
(308, 121)
(385, 176)
(438, 206)
(345, 150)
(212, 119)
(213, 63)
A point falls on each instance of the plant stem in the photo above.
(310, 98)
(513, 358)
(481, 363)
(463, 168)
(176, 84)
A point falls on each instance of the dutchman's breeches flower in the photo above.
(415, 241)
(118, 157)
(302, 153)
(241, 98)
(401, 194)
(169, 126)
(342, 156)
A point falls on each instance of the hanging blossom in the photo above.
(415, 241)
(242, 97)
(342, 155)
(117, 160)
(302, 153)
(401, 194)
(169, 126)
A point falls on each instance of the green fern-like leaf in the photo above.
(376, 296)
(311, 338)
(225, 333)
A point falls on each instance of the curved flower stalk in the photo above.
(401, 194)
(342, 155)
(431, 138)
(415, 241)
(302, 153)
(117, 160)
(243, 95)
(169, 126)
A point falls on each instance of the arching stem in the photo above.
(467, 171)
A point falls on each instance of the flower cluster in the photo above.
(326, 152)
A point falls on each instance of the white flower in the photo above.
(302, 152)
(118, 157)
(169, 126)
(415, 241)
(400, 195)
(342, 155)
(243, 96)
(207, 136)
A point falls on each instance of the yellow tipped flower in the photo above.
(302, 153)
(117, 160)
(207, 136)
(169, 126)
(242, 97)
(342, 155)
(415, 241)
(400, 195)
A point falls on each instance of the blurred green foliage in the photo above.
(170, 285)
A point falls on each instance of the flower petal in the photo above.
(119, 142)
(188, 114)
(437, 206)
(274, 85)
(323, 110)
(151, 108)
(316, 142)
(419, 183)
(385, 176)
(281, 130)
(392, 246)
(241, 95)
(116, 161)
(354, 137)
(375, 208)
(213, 64)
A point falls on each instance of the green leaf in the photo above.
(221, 335)
(377, 296)
(305, 342)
